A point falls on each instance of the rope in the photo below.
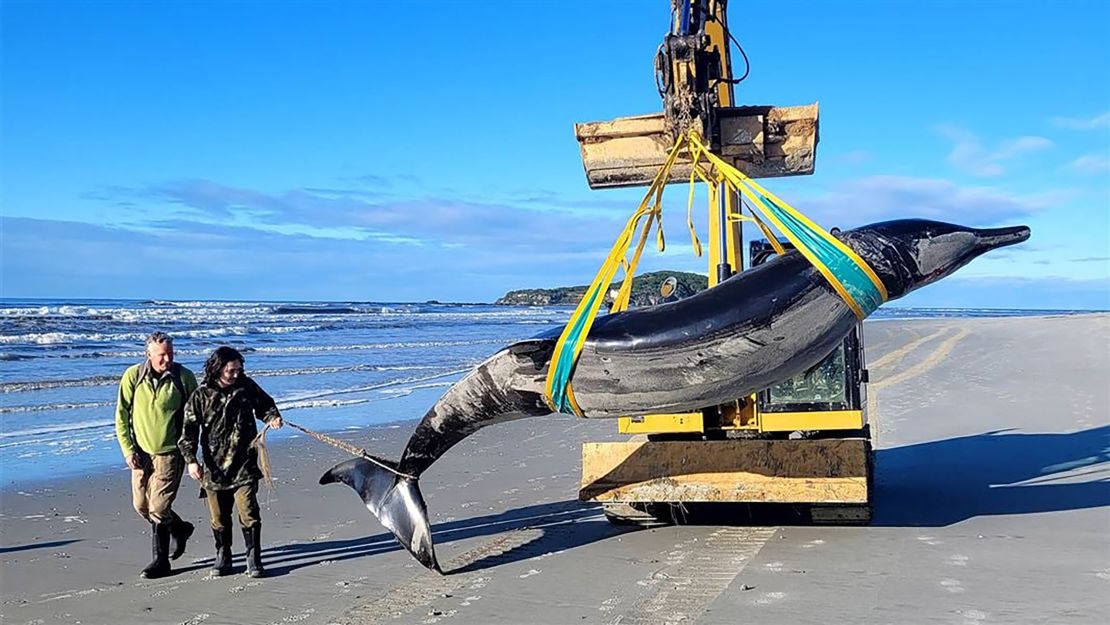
(259, 444)
(264, 464)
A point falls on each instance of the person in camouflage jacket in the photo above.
(221, 420)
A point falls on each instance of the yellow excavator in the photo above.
(804, 443)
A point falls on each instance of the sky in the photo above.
(409, 151)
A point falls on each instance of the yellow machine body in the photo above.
(734, 452)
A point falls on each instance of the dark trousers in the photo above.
(244, 498)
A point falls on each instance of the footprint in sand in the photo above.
(295, 618)
(436, 615)
(768, 598)
(609, 604)
(958, 559)
(973, 617)
(954, 586)
(530, 573)
(929, 540)
(237, 589)
(158, 594)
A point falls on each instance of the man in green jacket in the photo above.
(149, 415)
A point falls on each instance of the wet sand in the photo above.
(992, 506)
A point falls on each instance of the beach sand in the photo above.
(992, 506)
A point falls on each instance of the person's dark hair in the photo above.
(215, 364)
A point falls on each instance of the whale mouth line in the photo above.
(994, 238)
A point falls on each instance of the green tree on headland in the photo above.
(645, 291)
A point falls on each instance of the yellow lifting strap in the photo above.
(848, 274)
(558, 392)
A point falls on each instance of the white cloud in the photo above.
(1090, 123)
(854, 157)
(970, 155)
(877, 198)
(1091, 164)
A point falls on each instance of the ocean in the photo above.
(331, 366)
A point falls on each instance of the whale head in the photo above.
(908, 254)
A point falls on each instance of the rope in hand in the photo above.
(259, 443)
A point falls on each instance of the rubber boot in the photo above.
(160, 545)
(180, 532)
(253, 537)
(221, 565)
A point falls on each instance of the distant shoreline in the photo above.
(12, 301)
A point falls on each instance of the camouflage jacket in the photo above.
(222, 421)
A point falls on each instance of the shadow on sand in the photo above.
(1003, 472)
(936, 483)
(45, 545)
(555, 526)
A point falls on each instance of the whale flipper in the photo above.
(395, 500)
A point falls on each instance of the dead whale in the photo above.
(754, 330)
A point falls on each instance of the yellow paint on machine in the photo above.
(686, 422)
(766, 471)
(816, 420)
(673, 422)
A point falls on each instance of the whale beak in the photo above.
(994, 238)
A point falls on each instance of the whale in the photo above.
(755, 329)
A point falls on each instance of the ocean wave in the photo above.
(57, 406)
(109, 380)
(65, 441)
(69, 338)
(390, 393)
(206, 304)
(56, 429)
(274, 349)
(45, 385)
(314, 310)
(369, 387)
(396, 345)
(53, 312)
(323, 403)
(416, 387)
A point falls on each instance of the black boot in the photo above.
(180, 532)
(222, 564)
(160, 545)
(253, 537)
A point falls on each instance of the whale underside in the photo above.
(694, 353)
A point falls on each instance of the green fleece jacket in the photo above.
(150, 408)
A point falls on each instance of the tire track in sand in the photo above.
(895, 356)
(938, 355)
(428, 588)
(698, 572)
(932, 360)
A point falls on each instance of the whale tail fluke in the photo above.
(395, 500)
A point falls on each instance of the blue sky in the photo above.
(414, 151)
